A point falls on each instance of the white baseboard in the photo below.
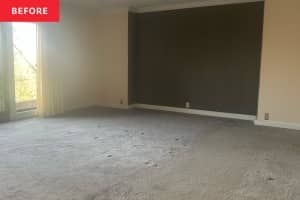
(116, 106)
(124, 107)
(285, 125)
(25, 114)
(196, 112)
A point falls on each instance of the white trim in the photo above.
(25, 114)
(176, 6)
(116, 106)
(196, 112)
(286, 125)
(125, 107)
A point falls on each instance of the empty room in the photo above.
(150, 100)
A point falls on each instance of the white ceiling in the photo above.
(122, 3)
(108, 4)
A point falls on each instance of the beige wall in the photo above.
(280, 70)
(112, 42)
(74, 56)
(90, 56)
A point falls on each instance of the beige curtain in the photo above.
(6, 72)
(2, 82)
(50, 100)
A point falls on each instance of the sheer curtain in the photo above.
(50, 95)
(50, 101)
(5, 72)
(2, 82)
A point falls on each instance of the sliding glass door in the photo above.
(18, 69)
(25, 65)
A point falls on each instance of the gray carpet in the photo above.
(108, 154)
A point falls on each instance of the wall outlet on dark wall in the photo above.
(187, 104)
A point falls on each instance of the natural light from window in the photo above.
(25, 65)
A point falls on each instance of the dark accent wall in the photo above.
(209, 56)
(132, 55)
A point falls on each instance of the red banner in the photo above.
(29, 10)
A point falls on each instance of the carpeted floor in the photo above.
(107, 154)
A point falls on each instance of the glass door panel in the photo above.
(25, 65)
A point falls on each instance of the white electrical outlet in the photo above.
(187, 104)
(267, 116)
